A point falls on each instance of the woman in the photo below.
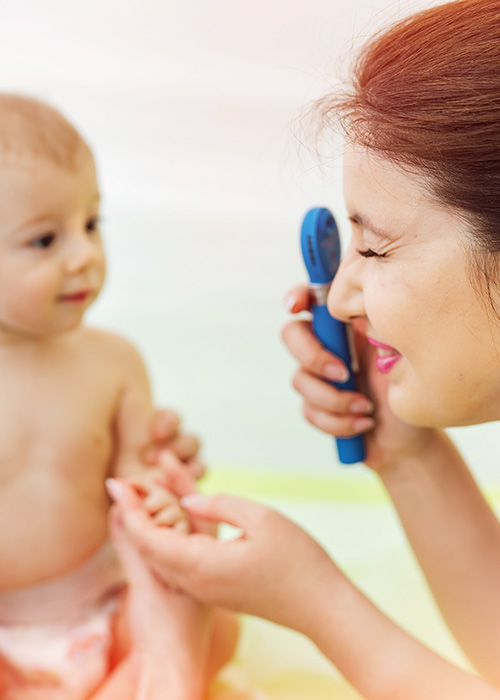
(420, 283)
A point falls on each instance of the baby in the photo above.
(75, 408)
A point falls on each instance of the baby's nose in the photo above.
(81, 253)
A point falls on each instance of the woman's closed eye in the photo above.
(369, 253)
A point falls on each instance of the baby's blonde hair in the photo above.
(29, 127)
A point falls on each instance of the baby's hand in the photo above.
(161, 504)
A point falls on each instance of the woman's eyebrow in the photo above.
(366, 223)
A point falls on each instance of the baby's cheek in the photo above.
(29, 304)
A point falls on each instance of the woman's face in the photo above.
(407, 272)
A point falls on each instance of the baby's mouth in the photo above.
(76, 297)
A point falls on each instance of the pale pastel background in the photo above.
(191, 108)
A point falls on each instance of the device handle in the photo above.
(332, 334)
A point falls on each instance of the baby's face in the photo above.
(52, 263)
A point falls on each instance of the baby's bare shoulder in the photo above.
(113, 349)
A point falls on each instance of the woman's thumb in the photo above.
(224, 508)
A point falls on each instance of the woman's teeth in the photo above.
(382, 352)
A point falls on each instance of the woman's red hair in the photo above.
(425, 94)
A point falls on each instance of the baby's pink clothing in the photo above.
(56, 636)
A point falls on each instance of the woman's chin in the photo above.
(406, 406)
(424, 414)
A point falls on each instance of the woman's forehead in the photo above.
(388, 201)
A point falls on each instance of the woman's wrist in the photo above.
(348, 629)
(327, 593)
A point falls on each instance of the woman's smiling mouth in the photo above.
(387, 356)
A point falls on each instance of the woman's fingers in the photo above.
(312, 356)
(298, 299)
(323, 396)
(207, 569)
(224, 508)
(335, 424)
(231, 573)
(340, 413)
(337, 412)
(171, 547)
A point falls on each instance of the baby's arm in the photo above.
(142, 435)
(132, 436)
(134, 411)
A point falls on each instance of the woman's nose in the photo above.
(345, 298)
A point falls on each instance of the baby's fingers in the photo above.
(172, 516)
(166, 510)
(157, 499)
(164, 425)
(184, 446)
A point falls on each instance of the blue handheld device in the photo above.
(320, 244)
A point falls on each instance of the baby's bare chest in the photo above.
(56, 421)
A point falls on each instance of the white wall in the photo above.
(189, 106)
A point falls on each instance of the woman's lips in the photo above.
(387, 356)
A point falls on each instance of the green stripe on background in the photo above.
(260, 484)
(493, 494)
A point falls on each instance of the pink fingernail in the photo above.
(193, 500)
(363, 424)
(361, 406)
(291, 302)
(336, 373)
(114, 489)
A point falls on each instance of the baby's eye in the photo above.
(92, 224)
(44, 241)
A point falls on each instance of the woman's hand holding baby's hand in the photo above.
(273, 570)
(160, 489)
(170, 633)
